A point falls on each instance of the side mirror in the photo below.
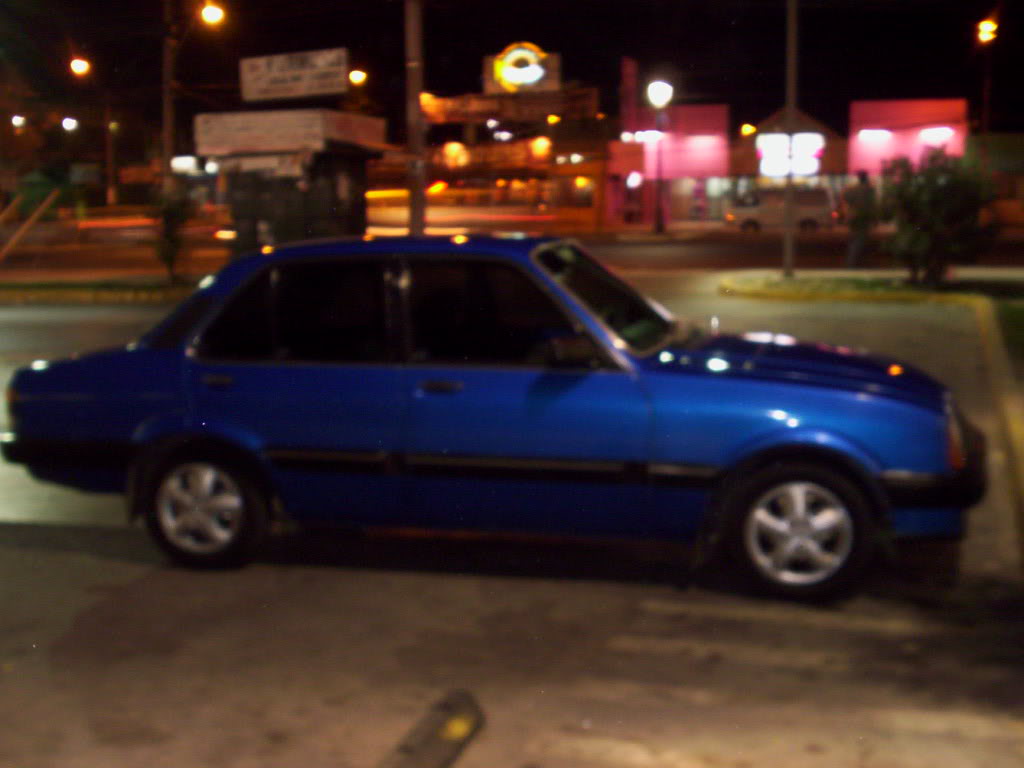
(572, 351)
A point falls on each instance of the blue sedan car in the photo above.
(499, 385)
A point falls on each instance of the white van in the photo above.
(763, 208)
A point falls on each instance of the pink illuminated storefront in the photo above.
(690, 152)
(883, 130)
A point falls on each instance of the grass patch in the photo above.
(1011, 319)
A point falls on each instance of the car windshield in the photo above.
(618, 306)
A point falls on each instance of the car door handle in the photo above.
(218, 380)
(441, 387)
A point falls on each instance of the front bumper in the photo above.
(959, 490)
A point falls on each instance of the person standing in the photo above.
(861, 214)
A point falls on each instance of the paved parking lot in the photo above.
(582, 655)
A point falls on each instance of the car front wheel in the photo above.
(204, 512)
(799, 531)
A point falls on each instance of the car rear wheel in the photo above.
(204, 512)
(799, 531)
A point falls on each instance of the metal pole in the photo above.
(659, 182)
(414, 115)
(108, 152)
(986, 106)
(788, 239)
(167, 91)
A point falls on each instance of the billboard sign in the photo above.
(284, 130)
(522, 67)
(294, 75)
(572, 104)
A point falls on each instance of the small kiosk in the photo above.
(291, 174)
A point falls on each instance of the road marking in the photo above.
(620, 690)
(971, 725)
(731, 653)
(806, 617)
(613, 751)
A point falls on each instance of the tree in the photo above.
(936, 209)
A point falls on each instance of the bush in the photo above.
(936, 208)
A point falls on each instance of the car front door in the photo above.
(497, 437)
(299, 366)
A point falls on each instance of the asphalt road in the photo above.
(713, 249)
(582, 655)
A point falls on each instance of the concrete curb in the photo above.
(1002, 380)
(85, 295)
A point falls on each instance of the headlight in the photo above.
(955, 450)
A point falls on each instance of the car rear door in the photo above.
(497, 439)
(300, 366)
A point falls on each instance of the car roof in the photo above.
(514, 246)
(517, 248)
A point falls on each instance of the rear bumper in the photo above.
(59, 453)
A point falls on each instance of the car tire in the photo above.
(797, 531)
(204, 511)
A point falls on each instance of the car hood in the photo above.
(766, 355)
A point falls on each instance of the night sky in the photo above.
(713, 50)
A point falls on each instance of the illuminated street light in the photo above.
(212, 14)
(357, 77)
(747, 129)
(18, 121)
(987, 29)
(659, 94)
(80, 67)
(69, 124)
(554, 119)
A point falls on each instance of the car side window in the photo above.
(243, 329)
(482, 313)
(331, 311)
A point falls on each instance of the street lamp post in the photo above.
(212, 15)
(81, 67)
(659, 94)
(987, 29)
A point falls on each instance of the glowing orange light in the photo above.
(540, 147)
(367, 238)
(460, 239)
(266, 250)
(225, 234)
(80, 66)
(554, 119)
(895, 370)
(987, 30)
(357, 77)
(581, 182)
(437, 187)
(501, 183)
(212, 14)
(747, 129)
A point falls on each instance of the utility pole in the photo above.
(167, 92)
(788, 235)
(414, 115)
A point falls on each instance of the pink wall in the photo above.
(696, 142)
(883, 130)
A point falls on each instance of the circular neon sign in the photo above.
(520, 65)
